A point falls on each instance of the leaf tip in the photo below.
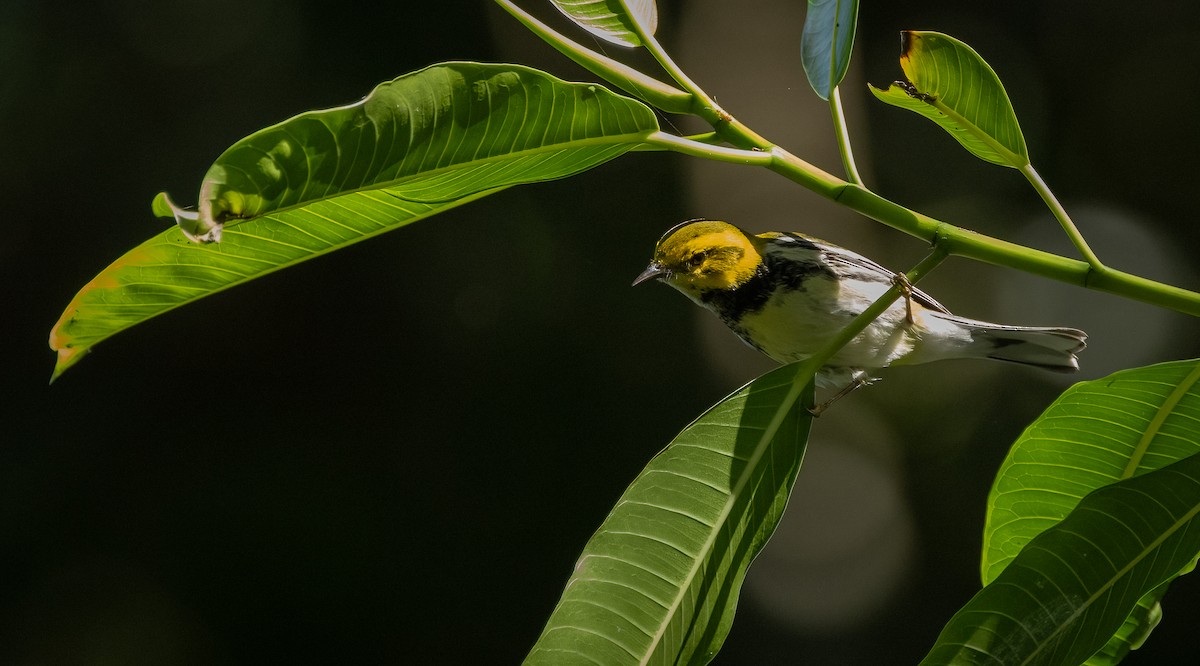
(68, 355)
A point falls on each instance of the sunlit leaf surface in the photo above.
(949, 83)
(1096, 433)
(322, 180)
(613, 20)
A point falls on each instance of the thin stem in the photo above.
(688, 146)
(881, 304)
(655, 92)
(813, 363)
(1061, 214)
(843, 137)
(710, 138)
(972, 245)
(953, 240)
(703, 105)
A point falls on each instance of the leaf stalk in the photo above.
(843, 137)
(1060, 214)
(647, 88)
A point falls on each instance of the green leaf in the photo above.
(1075, 584)
(828, 42)
(435, 135)
(1095, 434)
(951, 85)
(169, 270)
(659, 581)
(655, 92)
(1133, 632)
(617, 21)
(415, 146)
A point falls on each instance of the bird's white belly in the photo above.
(793, 325)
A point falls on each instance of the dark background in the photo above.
(394, 453)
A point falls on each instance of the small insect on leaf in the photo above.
(949, 83)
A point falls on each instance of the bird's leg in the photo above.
(860, 379)
(906, 290)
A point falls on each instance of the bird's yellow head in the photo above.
(703, 255)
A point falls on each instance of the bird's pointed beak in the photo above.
(654, 270)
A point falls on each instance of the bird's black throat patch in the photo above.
(776, 273)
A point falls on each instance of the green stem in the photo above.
(755, 150)
(813, 363)
(655, 92)
(1061, 214)
(955, 240)
(702, 105)
(843, 137)
(710, 138)
(689, 146)
(881, 304)
(965, 243)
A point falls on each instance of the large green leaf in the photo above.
(169, 270)
(827, 43)
(1074, 585)
(322, 180)
(436, 135)
(614, 20)
(658, 583)
(950, 84)
(1096, 433)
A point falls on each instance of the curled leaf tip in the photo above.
(193, 226)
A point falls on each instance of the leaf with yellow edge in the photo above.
(950, 84)
(169, 270)
(322, 180)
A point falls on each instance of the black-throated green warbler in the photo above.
(787, 295)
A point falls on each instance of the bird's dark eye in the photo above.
(696, 260)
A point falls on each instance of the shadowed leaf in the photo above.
(1072, 588)
(828, 42)
(659, 581)
(1095, 434)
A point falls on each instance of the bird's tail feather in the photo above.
(1045, 347)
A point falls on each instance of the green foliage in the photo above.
(952, 86)
(436, 135)
(1133, 632)
(659, 581)
(1071, 588)
(1095, 434)
(168, 271)
(828, 43)
(416, 146)
(1090, 516)
(618, 21)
